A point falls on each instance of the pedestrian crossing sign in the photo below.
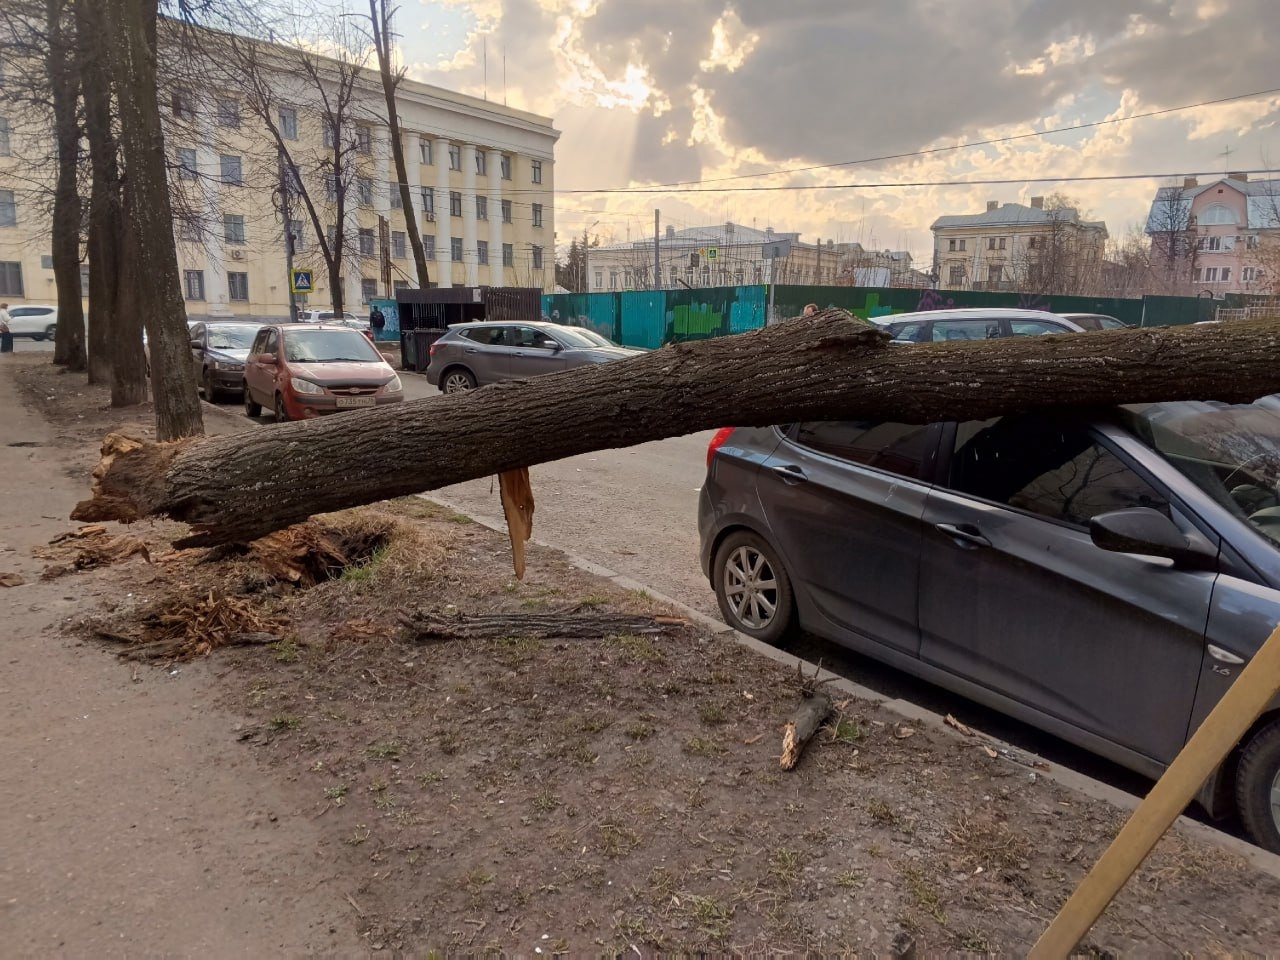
(713, 253)
(300, 281)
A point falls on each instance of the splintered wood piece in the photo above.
(517, 506)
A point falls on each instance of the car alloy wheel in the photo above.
(251, 409)
(1258, 787)
(751, 587)
(51, 331)
(458, 381)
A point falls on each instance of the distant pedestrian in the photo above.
(377, 321)
(6, 335)
(810, 309)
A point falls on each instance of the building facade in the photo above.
(1219, 237)
(1018, 247)
(481, 178)
(727, 254)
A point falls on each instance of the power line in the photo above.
(923, 183)
(959, 146)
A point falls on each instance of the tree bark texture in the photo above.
(64, 86)
(148, 233)
(380, 17)
(828, 367)
(106, 225)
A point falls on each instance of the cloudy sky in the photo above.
(652, 92)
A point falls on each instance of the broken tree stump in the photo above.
(239, 487)
(809, 716)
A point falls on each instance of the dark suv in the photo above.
(1102, 578)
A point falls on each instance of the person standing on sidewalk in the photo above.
(6, 335)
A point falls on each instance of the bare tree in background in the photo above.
(1066, 255)
(1172, 230)
(62, 68)
(380, 16)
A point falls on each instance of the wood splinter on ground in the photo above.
(517, 506)
(810, 713)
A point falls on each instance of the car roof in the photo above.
(308, 326)
(1074, 316)
(972, 313)
(229, 323)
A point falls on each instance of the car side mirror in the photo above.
(197, 345)
(554, 346)
(270, 359)
(1150, 533)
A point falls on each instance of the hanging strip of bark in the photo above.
(828, 367)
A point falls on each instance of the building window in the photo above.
(956, 276)
(626, 279)
(187, 163)
(399, 285)
(297, 235)
(455, 249)
(506, 167)
(429, 201)
(233, 227)
(963, 241)
(951, 244)
(675, 276)
(193, 282)
(995, 273)
(398, 244)
(5, 146)
(364, 139)
(599, 278)
(288, 123)
(1226, 275)
(508, 255)
(424, 151)
(429, 246)
(1249, 274)
(11, 279)
(1001, 244)
(506, 211)
(536, 171)
(232, 170)
(537, 258)
(991, 243)
(537, 214)
(238, 286)
(1208, 275)
(1216, 215)
(455, 157)
(188, 230)
(228, 113)
(331, 188)
(613, 279)
(366, 241)
(482, 208)
(364, 190)
(330, 132)
(331, 235)
(482, 251)
(397, 202)
(455, 203)
(1209, 243)
(183, 105)
(368, 290)
(480, 164)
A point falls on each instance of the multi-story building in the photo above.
(1018, 247)
(1221, 237)
(481, 177)
(727, 254)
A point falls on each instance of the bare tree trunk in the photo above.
(828, 367)
(380, 17)
(105, 223)
(149, 226)
(64, 85)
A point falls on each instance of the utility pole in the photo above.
(285, 211)
(818, 267)
(657, 261)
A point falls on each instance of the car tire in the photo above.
(457, 380)
(50, 331)
(1258, 787)
(210, 391)
(753, 588)
(282, 414)
(251, 408)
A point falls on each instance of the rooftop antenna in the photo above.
(1226, 158)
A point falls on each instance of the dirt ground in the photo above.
(619, 794)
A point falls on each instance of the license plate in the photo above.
(344, 402)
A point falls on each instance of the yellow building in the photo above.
(481, 177)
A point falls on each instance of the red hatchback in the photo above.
(303, 370)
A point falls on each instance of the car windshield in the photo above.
(581, 337)
(231, 336)
(327, 346)
(1232, 453)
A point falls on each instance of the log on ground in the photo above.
(429, 627)
(808, 717)
(829, 367)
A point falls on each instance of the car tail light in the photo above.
(431, 351)
(718, 441)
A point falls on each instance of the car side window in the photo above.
(1035, 328)
(259, 342)
(949, 330)
(915, 332)
(489, 336)
(273, 342)
(899, 448)
(1050, 468)
(531, 337)
(196, 332)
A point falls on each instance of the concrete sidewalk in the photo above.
(131, 821)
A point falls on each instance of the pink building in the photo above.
(1207, 237)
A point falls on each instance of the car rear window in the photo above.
(899, 448)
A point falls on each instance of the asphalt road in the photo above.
(27, 345)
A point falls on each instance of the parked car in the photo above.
(37, 321)
(301, 370)
(1104, 579)
(470, 355)
(988, 323)
(1095, 321)
(324, 316)
(218, 353)
(146, 345)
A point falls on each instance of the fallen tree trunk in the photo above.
(808, 717)
(426, 627)
(240, 487)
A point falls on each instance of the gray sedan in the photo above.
(1105, 579)
(471, 355)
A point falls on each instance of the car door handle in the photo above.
(519, 353)
(789, 473)
(470, 350)
(963, 532)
